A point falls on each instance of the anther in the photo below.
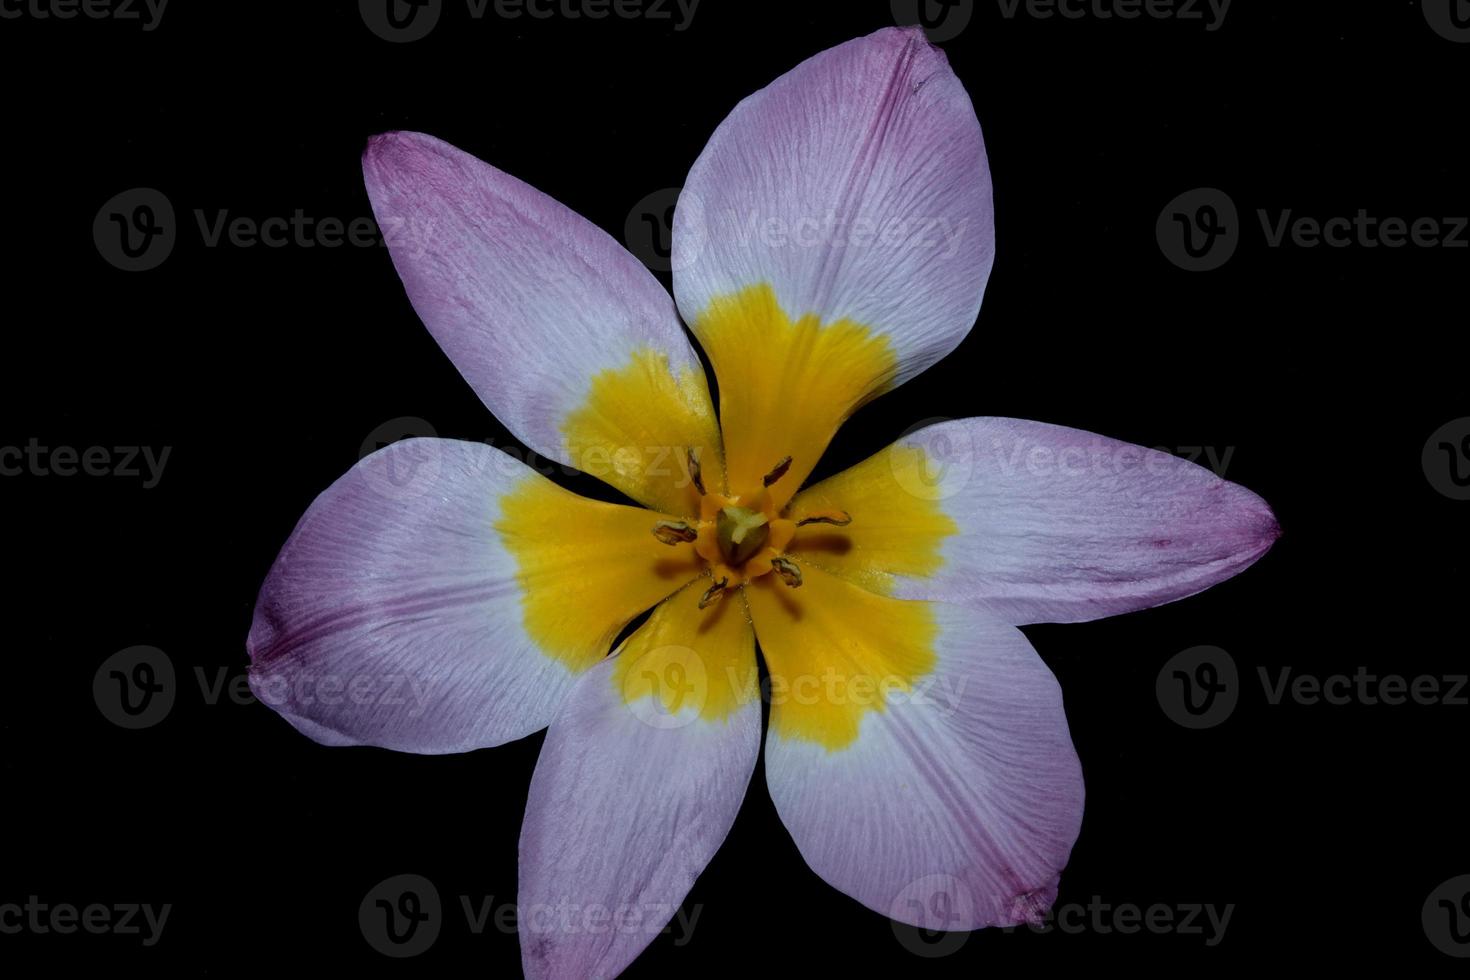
(837, 518)
(694, 473)
(778, 472)
(674, 532)
(788, 570)
(714, 593)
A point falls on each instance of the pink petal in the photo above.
(877, 140)
(1049, 524)
(532, 302)
(630, 800)
(958, 804)
(393, 615)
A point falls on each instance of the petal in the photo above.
(833, 650)
(1035, 522)
(441, 596)
(638, 783)
(832, 241)
(565, 336)
(957, 804)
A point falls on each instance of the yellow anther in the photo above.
(777, 472)
(694, 472)
(838, 518)
(714, 593)
(674, 532)
(788, 570)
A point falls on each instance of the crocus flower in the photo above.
(833, 240)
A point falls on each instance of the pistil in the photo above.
(741, 532)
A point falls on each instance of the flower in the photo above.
(833, 240)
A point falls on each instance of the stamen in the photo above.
(694, 473)
(778, 472)
(714, 593)
(789, 571)
(674, 532)
(838, 518)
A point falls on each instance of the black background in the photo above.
(1323, 371)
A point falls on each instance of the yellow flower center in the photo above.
(743, 536)
(832, 637)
